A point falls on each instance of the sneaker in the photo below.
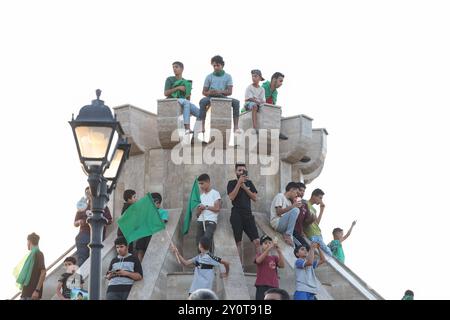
(282, 136)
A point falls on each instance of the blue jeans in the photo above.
(82, 240)
(322, 244)
(250, 105)
(188, 109)
(287, 221)
(206, 101)
(302, 295)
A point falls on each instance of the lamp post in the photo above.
(96, 134)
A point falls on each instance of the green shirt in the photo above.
(336, 248)
(271, 96)
(163, 214)
(313, 229)
(170, 81)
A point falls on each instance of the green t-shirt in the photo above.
(271, 96)
(313, 229)
(336, 248)
(170, 81)
(163, 214)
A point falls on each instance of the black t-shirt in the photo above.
(242, 202)
(39, 264)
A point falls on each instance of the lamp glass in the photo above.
(93, 141)
(111, 172)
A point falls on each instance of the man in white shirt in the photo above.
(284, 211)
(208, 210)
(254, 96)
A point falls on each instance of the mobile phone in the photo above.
(245, 173)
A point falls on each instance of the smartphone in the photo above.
(245, 173)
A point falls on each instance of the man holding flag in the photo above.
(141, 220)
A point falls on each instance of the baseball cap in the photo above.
(258, 72)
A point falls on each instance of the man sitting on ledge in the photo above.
(180, 88)
(271, 91)
(218, 84)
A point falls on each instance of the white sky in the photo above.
(376, 74)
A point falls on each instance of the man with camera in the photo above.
(241, 191)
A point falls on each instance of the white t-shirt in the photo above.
(280, 200)
(208, 199)
(257, 93)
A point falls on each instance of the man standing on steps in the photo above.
(271, 91)
(241, 191)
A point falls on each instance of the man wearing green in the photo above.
(270, 88)
(180, 88)
(311, 225)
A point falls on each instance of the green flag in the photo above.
(141, 219)
(194, 201)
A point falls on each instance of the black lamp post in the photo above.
(96, 134)
(119, 157)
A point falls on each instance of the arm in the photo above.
(180, 257)
(263, 255)
(281, 263)
(310, 256)
(216, 207)
(227, 268)
(35, 295)
(227, 92)
(349, 231)
(322, 208)
(322, 257)
(136, 276)
(168, 92)
(280, 211)
(232, 195)
(252, 195)
(58, 291)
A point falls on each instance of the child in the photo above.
(336, 244)
(204, 265)
(266, 267)
(130, 197)
(254, 96)
(306, 281)
(69, 280)
(123, 271)
(157, 199)
(208, 210)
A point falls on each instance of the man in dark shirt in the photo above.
(299, 238)
(84, 235)
(32, 289)
(241, 191)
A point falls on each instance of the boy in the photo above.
(130, 197)
(266, 267)
(208, 210)
(241, 191)
(311, 225)
(218, 84)
(284, 211)
(271, 93)
(336, 245)
(306, 281)
(204, 265)
(163, 213)
(123, 271)
(69, 280)
(177, 87)
(254, 96)
(276, 294)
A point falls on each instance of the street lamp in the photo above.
(120, 156)
(96, 134)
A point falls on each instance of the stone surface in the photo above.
(299, 131)
(316, 153)
(169, 111)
